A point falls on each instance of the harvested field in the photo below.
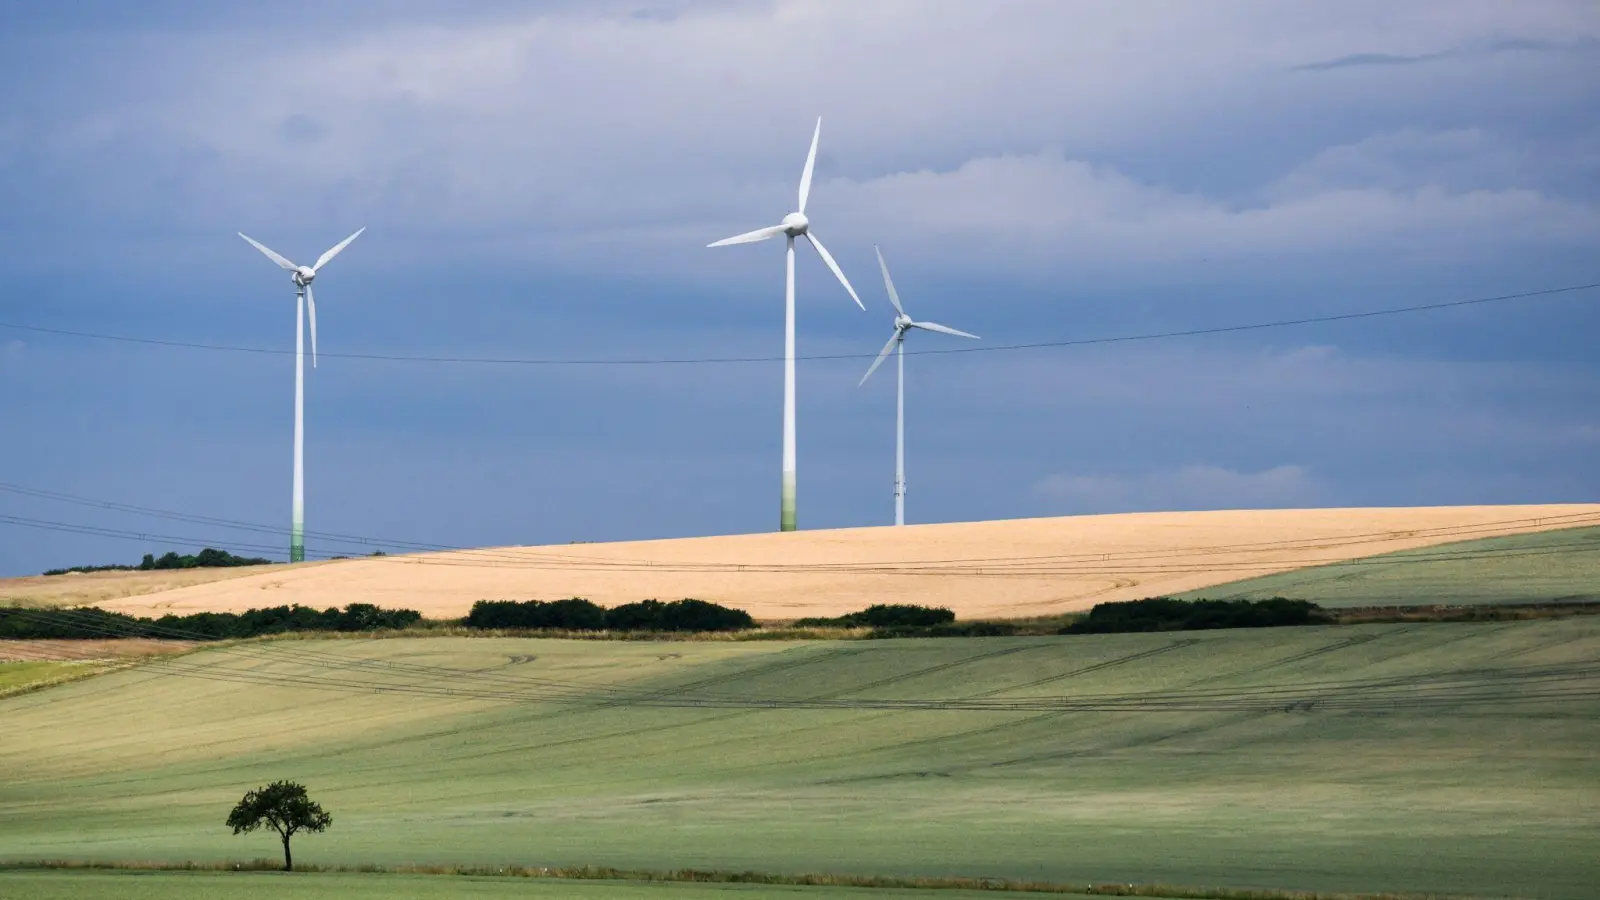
(1010, 569)
(79, 650)
(31, 665)
(88, 588)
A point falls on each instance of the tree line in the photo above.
(209, 558)
(1167, 614)
(90, 622)
(682, 616)
(578, 614)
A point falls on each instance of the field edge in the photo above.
(1156, 891)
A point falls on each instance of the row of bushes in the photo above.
(89, 622)
(688, 615)
(578, 614)
(209, 558)
(884, 615)
(1152, 614)
(1166, 614)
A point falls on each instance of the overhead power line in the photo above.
(1154, 561)
(1159, 560)
(716, 360)
(525, 557)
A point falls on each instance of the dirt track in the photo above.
(1009, 568)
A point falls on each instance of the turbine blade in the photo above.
(811, 164)
(828, 258)
(894, 297)
(882, 355)
(942, 329)
(270, 255)
(749, 237)
(311, 311)
(323, 259)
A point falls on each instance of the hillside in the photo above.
(1014, 568)
(1545, 567)
(1451, 758)
(84, 588)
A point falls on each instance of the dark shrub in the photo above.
(646, 615)
(885, 615)
(89, 622)
(207, 558)
(947, 629)
(575, 614)
(367, 617)
(680, 615)
(1167, 614)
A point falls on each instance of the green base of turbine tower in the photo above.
(786, 508)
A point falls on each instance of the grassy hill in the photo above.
(1523, 568)
(1447, 757)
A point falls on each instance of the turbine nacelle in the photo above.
(902, 324)
(795, 224)
(302, 276)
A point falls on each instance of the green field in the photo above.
(1549, 566)
(19, 675)
(1438, 757)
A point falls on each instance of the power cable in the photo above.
(1078, 562)
(993, 570)
(1002, 348)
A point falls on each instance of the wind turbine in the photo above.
(794, 225)
(302, 276)
(902, 324)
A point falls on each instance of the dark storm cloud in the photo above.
(541, 181)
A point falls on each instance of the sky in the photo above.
(539, 181)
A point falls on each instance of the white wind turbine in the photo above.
(304, 300)
(794, 225)
(902, 324)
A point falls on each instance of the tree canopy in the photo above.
(282, 806)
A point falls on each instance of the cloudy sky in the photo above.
(540, 183)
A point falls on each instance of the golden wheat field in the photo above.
(1012, 568)
(85, 588)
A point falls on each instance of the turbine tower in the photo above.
(302, 276)
(902, 324)
(794, 225)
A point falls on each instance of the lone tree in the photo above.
(283, 806)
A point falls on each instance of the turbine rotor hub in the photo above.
(303, 275)
(902, 322)
(795, 224)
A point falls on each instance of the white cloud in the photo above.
(1185, 488)
(1020, 131)
(1062, 209)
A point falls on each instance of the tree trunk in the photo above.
(288, 861)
